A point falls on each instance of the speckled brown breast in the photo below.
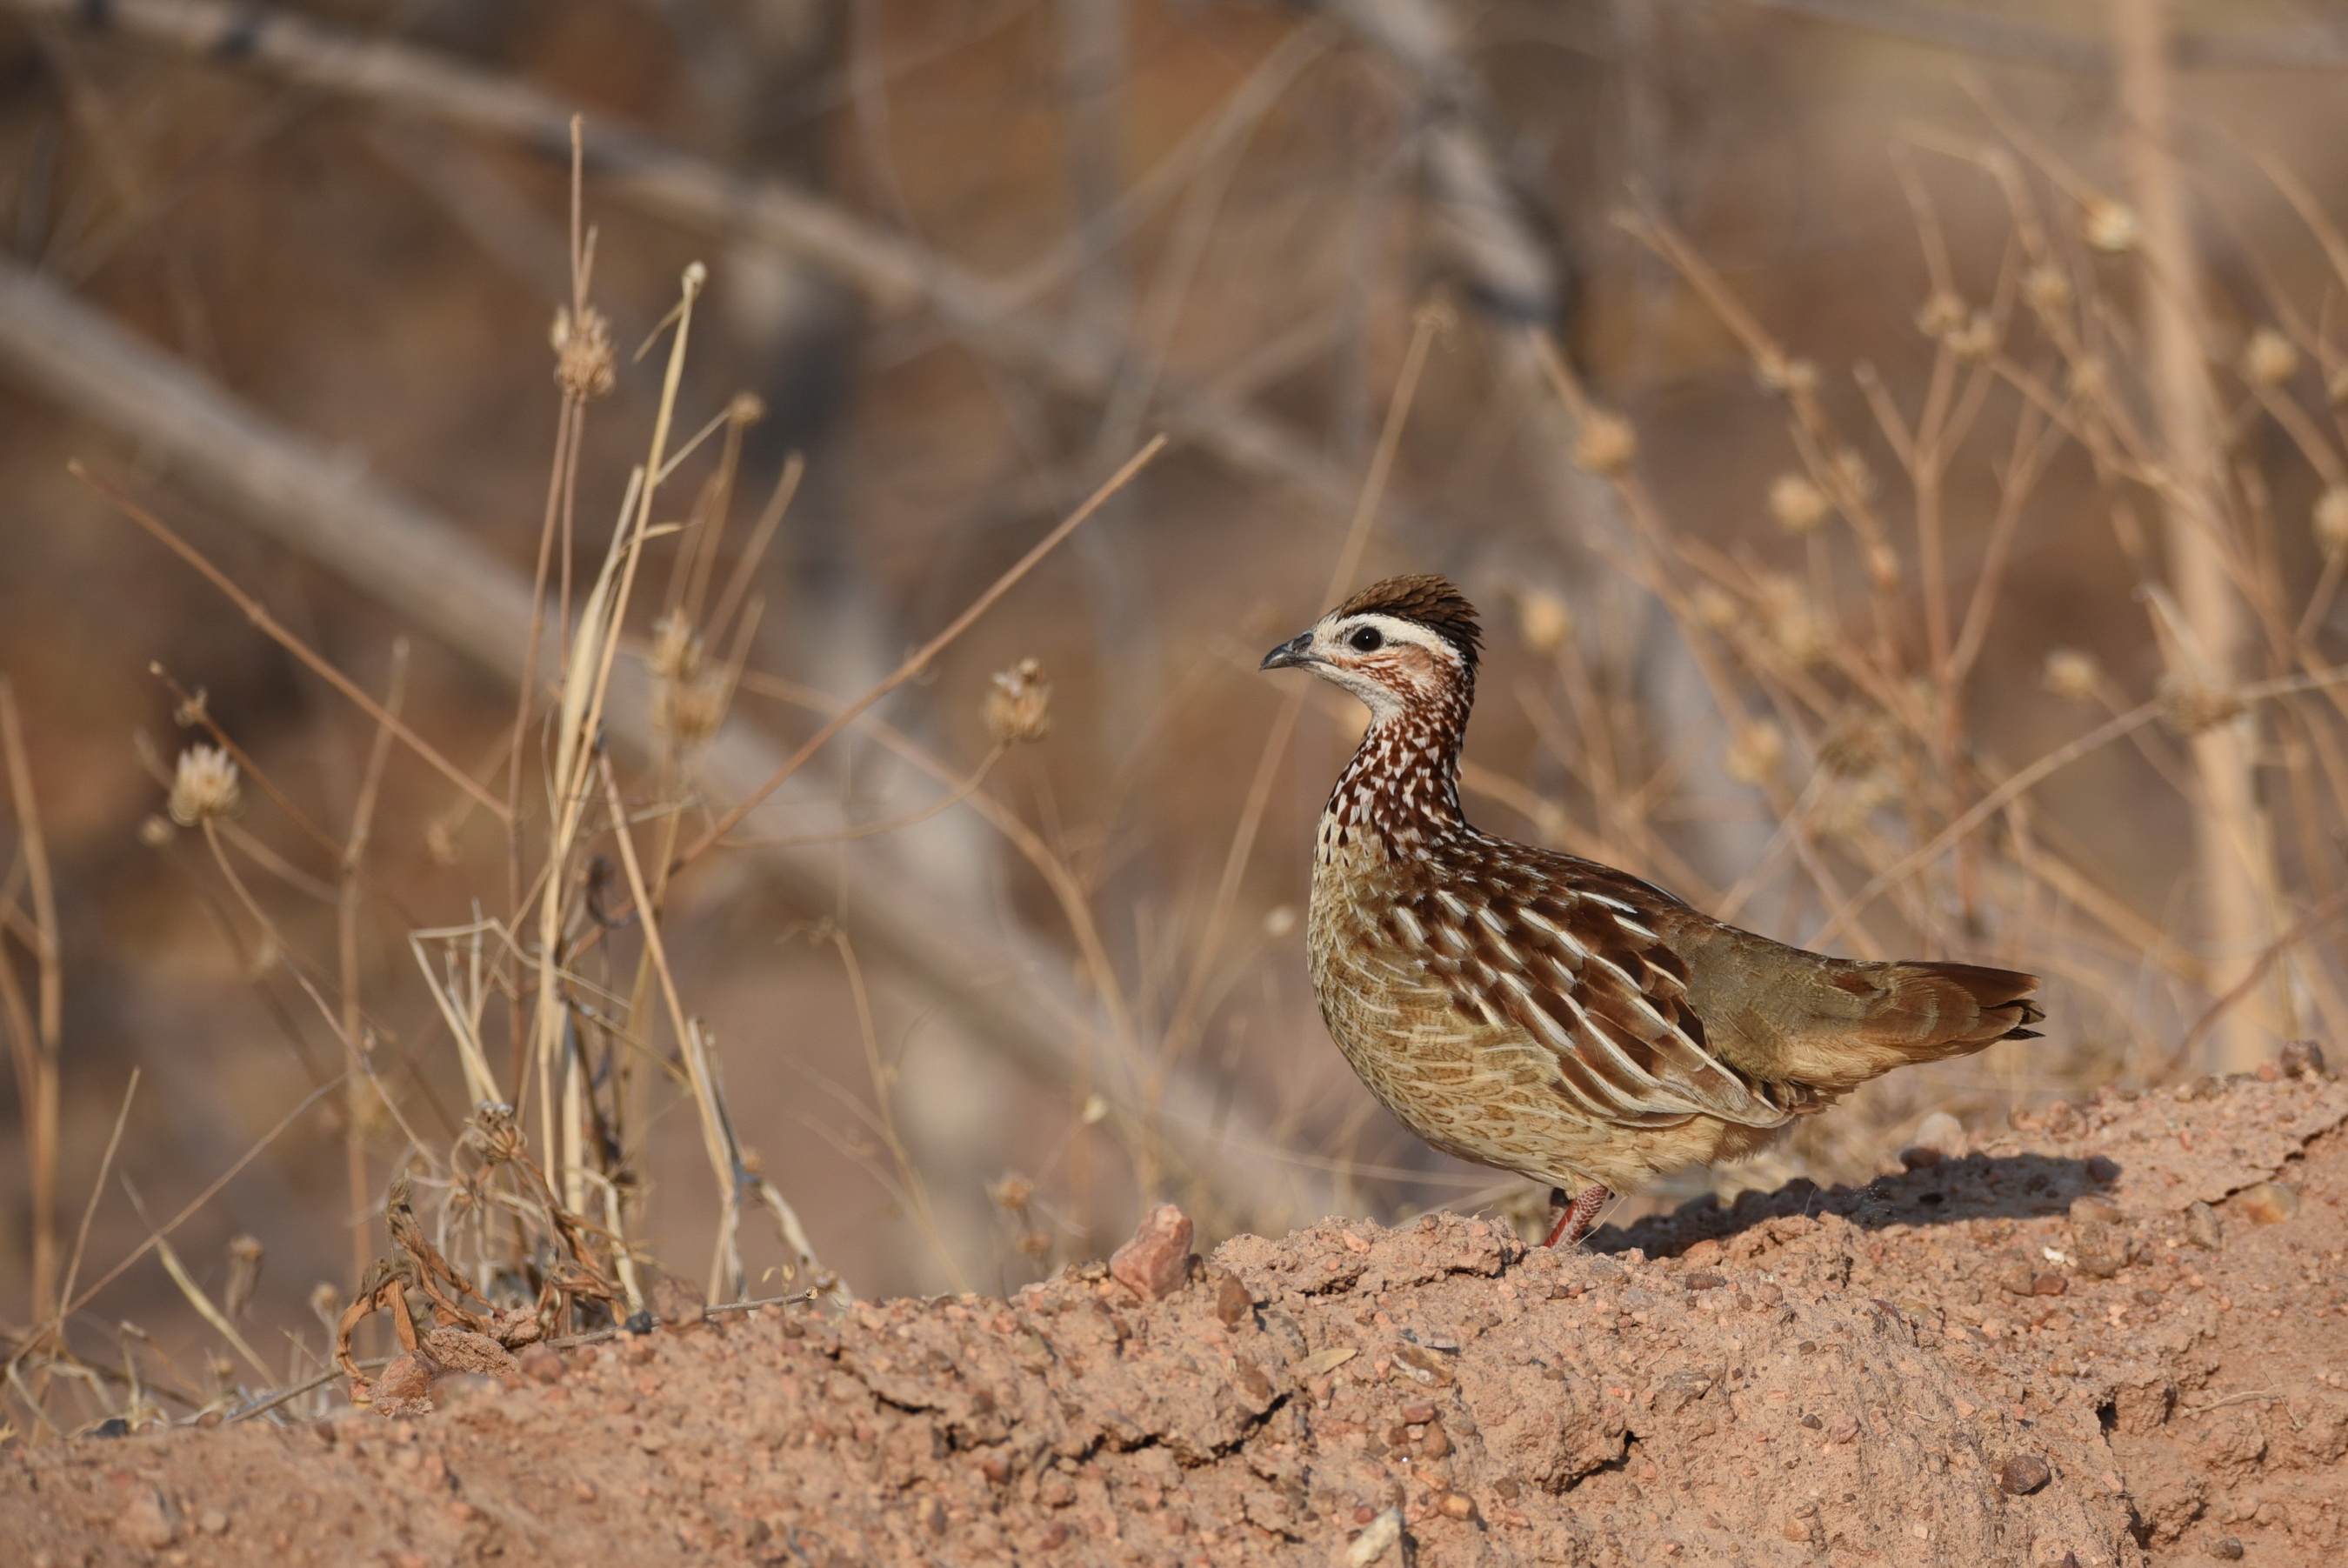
(1481, 1092)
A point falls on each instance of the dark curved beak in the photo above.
(1293, 653)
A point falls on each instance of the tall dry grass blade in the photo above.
(347, 947)
(726, 1166)
(39, 1053)
(69, 1303)
(909, 1172)
(480, 1086)
(195, 1294)
(96, 1190)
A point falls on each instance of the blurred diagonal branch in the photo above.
(2314, 48)
(666, 181)
(1004, 986)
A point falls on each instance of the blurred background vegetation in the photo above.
(1896, 450)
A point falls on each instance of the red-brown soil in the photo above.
(1930, 1369)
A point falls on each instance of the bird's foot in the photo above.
(1574, 1219)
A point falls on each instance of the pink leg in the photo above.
(1574, 1219)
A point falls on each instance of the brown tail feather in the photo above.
(2001, 999)
(1865, 1019)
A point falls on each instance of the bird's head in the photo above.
(1405, 642)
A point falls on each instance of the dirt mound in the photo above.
(2025, 1354)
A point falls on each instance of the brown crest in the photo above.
(1429, 601)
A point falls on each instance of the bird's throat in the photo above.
(1399, 795)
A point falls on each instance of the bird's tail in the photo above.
(1909, 1013)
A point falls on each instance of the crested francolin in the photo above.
(1550, 1015)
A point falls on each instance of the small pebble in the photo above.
(2225, 1548)
(2267, 1203)
(1157, 1261)
(2202, 1229)
(2093, 1209)
(2022, 1474)
(2015, 1273)
(212, 1521)
(1232, 1303)
(2100, 1250)
(2302, 1059)
(406, 1386)
(1458, 1505)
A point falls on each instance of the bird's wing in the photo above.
(1574, 961)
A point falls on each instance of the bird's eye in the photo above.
(1366, 640)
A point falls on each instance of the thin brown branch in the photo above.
(919, 660)
(270, 627)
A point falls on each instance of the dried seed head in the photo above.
(1862, 741)
(2089, 379)
(156, 832)
(1020, 706)
(583, 361)
(1279, 921)
(1035, 1243)
(2110, 226)
(1793, 624)
(326, 1301)
(2269, 359)
(203, 787)
(1943, 314)
(1976, 339)
(687, 713)
(676, 649)
(1754, 753)
(440, 842)
(2330, 520)
(2191, 706)
(1014, 1193)
(1606, 445)
(2047, 288)
(1798, 505)
(244, 1256)
(2073, 675)
(747, 408)
(1714, 608)
(1544, 619)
